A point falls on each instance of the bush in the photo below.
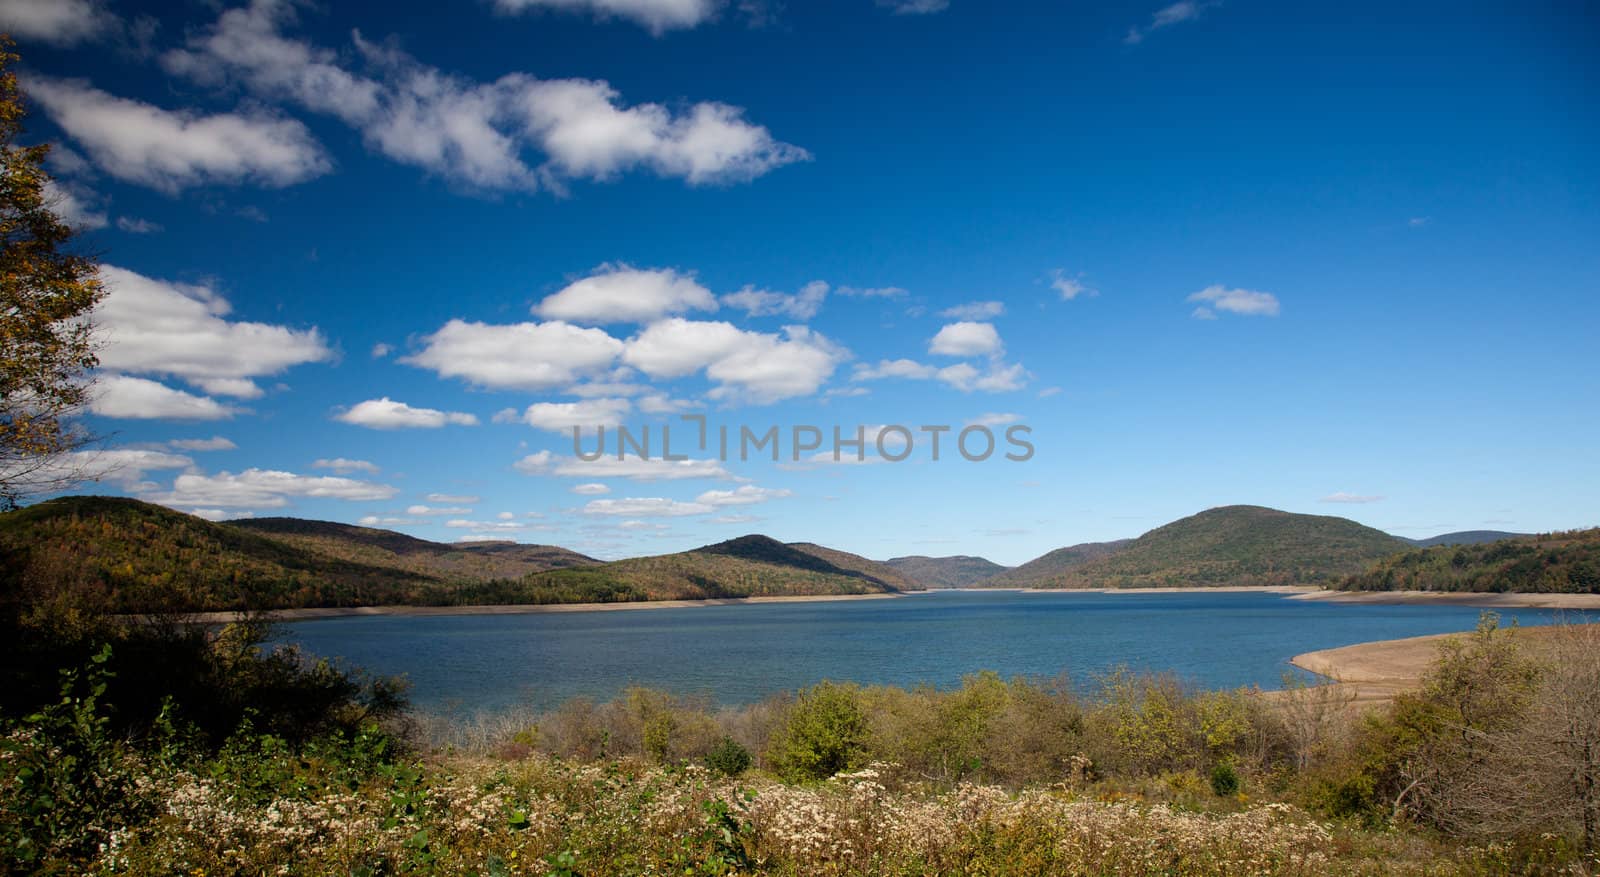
(1224, 780)
(729, 758)
(824, 733)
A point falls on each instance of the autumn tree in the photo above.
(47, 351)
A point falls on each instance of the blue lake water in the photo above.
(741, 653)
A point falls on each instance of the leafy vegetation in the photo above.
(46, 346)
(750, 566)
(1554, 563)
(1232, 545)
(1465, 537)
(959, 571)
(471, 561)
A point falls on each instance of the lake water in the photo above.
(741, 653)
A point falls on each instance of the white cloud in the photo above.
(753, 366)
(156, 327)
(479, 134)
(1167, 16)
(802, 305)
(646, 507)
(623, 294)
(872, 292)
(215, 443)
(376, 521)
(993, 419)
(380, 350)
(173, 150)
(344, 466)
(59, 22)
(1343, 497)
(656, 15)
(966, 339)
(1069, 287)
(125, 466)
(1047, 392)
(220, 514)
(586, 414)
(386, 413)
(747, 494)
(505, 516)
(893, 368)
(486, 527)
(140, 399)
(520, 356)
(74, 204)
(265, 488)
(915, 7)
(631, 468)
(426, 511)
(1245, 302)
(734, 519)
(134, 225)
(453, 498)
(976, 310)
(591, 489)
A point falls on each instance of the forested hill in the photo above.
(958, 571)
(1231, 545)
(123, 555)
(1552, 563)
(750, 566)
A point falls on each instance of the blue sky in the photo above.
(1332, 259)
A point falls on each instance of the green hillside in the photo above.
(473, 561)
(1566, 563)
(958, 571)
(1232, 545)
(1466, 537)
(750, 566)
(121, 555)
(1041, 571)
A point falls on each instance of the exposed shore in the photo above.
(523, 608)
(1459, 598)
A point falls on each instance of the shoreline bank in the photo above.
(525, 608)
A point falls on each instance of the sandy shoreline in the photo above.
(523, 608)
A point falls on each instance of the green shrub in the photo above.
(824, 733)
(729, 758)
(1224, 780)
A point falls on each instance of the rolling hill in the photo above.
(1551, 563)
(1465, 537)
(122, 555)
(749, 566)
(1231, 545)
(957, 571)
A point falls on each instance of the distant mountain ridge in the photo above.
(956, 571)
(749, 566)
(1231, 545)
(1466, 537)
(1550, 563)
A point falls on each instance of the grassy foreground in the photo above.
(242, 761)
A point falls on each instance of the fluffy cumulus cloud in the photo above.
(631, 468)
(623, 294)
(751, 366)
(915, 7)
(585, 415)
(75, 204)
(124, 466)
(1355, 498)
(386, 413)
(172, 150)
(59, 22)
(155, 327)
(428, 511)
(593, 488)
(129, 398)
(966, 339)
(264, 488)
(519, 356)
(481, 134)
(975, 310)
(1167, 16)
(995, 377)
(215, 443)
(453, 498)
(802, 305)
(656, 15)
(345, 466)
(646, 507)
(747, 494)
(1244, 302)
